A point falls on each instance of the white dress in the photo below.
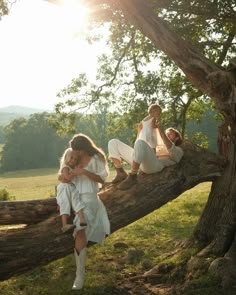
(148, 133)
(98, 225)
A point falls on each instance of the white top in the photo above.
(86, 185)
(148, 133)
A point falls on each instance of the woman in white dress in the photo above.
(91, 172)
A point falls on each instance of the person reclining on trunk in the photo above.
(142, 156)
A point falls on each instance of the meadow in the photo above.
(110, 269)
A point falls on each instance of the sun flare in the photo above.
(74, 12)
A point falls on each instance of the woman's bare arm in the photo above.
(165, 139)
(92, 176)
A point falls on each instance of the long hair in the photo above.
(179, 141)
(83, 142)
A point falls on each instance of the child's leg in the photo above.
(64, 192)
(78, 206)
(65, 226)
(82, 218)
(64, 218)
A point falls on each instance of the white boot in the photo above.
(80, 269)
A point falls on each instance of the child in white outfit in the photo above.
(65, 191)
(147, 128)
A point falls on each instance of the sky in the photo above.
(42, 49)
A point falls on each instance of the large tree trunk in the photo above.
(217, 226)
(218, 222)
(41, 241)
(220, 85)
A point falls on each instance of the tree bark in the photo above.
(26, 212)
(37, 244)
(220, 85)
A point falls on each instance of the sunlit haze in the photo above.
(42, 49)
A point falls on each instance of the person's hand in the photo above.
(62, 179)
(78, 170)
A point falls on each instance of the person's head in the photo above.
(174, 135)
(81, 144)
(69, 158)
(154, 110)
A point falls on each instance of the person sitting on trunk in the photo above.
(91, 174)
(65, 191)
(147, 128)
(142, 156)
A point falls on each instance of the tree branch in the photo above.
(23, 249)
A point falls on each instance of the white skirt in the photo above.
(98, 224)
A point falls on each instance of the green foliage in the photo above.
(3, 8)
(200, 139)
(5, 195)
(203, 128)
(101, 125)
(96, 126)
(2, 135)
(135, 73)
(31, 143)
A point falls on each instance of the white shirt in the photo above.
(148, 133)
(86, 185)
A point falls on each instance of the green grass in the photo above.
(30, 184)
(157, 235)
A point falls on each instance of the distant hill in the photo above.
(7, 114)
(21, 110)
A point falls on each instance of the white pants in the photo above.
(142, 154)
(64, 197)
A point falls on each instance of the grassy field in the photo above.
(109, 268)
(30, 184)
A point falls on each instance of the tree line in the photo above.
(36, 142)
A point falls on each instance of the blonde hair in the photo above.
(153, 107)
(65, 158)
